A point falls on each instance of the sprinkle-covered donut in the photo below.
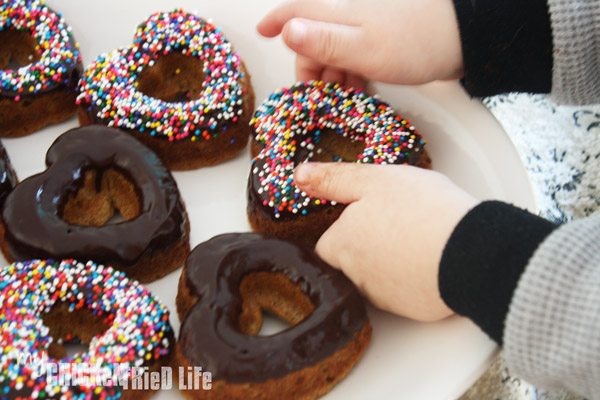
(317, 121)
(227, 282)
(105, 197)
(46, 304)
(180, 88)
(40, 67)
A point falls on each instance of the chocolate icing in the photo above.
(31, 213)
(8, 178)
(90, 297)
(94, 110)
(210, 336)
(255, 200)
(180, 39)
(305, 128)
(71, 71)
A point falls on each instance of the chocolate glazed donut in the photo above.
(93, 171)
(8, 177)
(325, 122)
(40, 65)
(226, 282)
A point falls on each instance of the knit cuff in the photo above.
(552, 333)
(483, 260)
(507, 46)
(576, 30)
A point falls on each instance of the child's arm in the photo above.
(417, 245)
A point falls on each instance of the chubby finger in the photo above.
(356, 81)
(307, 69)
(331, 44)
(320, 10)
(332, 74)
(337, 245)
(340, 182)
(328, 246)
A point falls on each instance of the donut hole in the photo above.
(283, 303)
(173, 78)
(272, 324)
(105, 197)
(72, 331)
(331, 146)
(17, 49)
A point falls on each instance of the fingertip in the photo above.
(331, 181)
(302, 174)
(274, 22)
(268, 27)
(295, 32)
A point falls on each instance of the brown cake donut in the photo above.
(225, 284)
(317, 121)
(40, 67)
(180, 89)
(47, 305)
(95, 173)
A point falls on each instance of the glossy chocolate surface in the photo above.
(31, 214)
(8, 178)
(210, 336)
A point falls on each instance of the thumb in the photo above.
(339, 182)
(330, 43)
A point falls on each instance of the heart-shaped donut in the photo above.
(225, 284)
(40, 67)
(319, 121)
(179, 88)
(66, 211)
(45, 305)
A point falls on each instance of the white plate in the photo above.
(405, 360)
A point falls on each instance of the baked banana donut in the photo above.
(45, 305)
(104, 197)
(225, 284)
(40, 67)
(180, 89)
(317, 121)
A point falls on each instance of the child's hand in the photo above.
(348, 41)
(389, 239)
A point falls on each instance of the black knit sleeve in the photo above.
(507, 46)
(483, 260)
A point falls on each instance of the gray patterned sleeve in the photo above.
(576, 51)
(552, 331)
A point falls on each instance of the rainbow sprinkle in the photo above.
(138, 331)
(109, 86)
(59, 54)
(289, 123)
